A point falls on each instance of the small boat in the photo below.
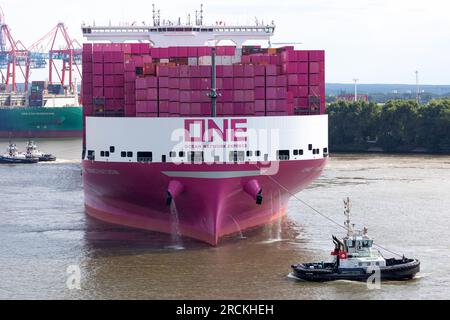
(12, 155)
(354, 258)
(33, 152)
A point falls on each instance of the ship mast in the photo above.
(347, 207)
(213, 94)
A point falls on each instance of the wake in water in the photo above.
(177, 242)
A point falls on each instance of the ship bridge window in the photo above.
(195, 156)
(163, 158)
(144, 156)
(283, 154)
(181, 154)
(257, 153)
(130, 154)
(237, 156)
(102, 153)
(112, 149)
(266, 157)
(106, 153)
(309, 147)
(172, 154)
(91, 155)
(249, 153)
(295, 152)
(123, 154)
(300, 152)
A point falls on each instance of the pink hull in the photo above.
(211, 200)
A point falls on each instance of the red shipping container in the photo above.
(126, 48)
(302, 102)
(164, 106)
(164, 94)
(302, 67)
(272, 105)
(185, 84)
(271, 81)
(228, 108)
(292, 79)
(302, 56)
(249, 83)
(249, 108)
(239, 108)
(316, 55)
(196, 96)
(129, 66)
(260, 70)
(108, 81)
(130, 87)
(162, 71)
(185, 96)
(182, 52)
(227, 71)
(313, 67)
(147, 59)
(135, 48)
(249, 71)
(173, 52)
(164, 115)
(130, 98)
(118, 93)
(271, 70)
(183, 71)
(192, 52)
(238, 95)
(290, 68)
(174, 95)
(154, 52)
(238, 71)
(271, 93)
(227, 95)
(289, 56)
(249, 95)
(204, 51)
(174, 83)
(144, 48)
(164, 53)
(118, 81)
(205, 71)
(141, 94)
(302, 79)
(281, 81)
(108, 57)
(141, 83)
(314, 90)
(281, 93)
(227, 83)
(260, 81)
(118, 68)
(196, 108)
(97, 68)
(293, 90)
(130, 77)
(163, 82)
(185, 108)
(260, 93)
(109, 92)
(98, 92)
(302, 91)
(108, 69)
(205, 84)
(87, 90)
(314, 79)
(146, 114)
(87, 67)
(97, 81)
(206, 109)
(260, 105)
(238, 83)
(130, 110)
(151, 82)
(152, 94)
(174, 107)
(97, 57)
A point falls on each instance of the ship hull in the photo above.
(41, 122)
(213, 202)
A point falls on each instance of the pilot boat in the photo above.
(12, 155)
(354, 258)
(33, 152)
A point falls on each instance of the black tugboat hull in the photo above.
(4, 160)
(47, 158)
(396, 272)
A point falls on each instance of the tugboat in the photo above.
(355, 259)
(12, 155)
(33, 152)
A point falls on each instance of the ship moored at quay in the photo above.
(221, 135)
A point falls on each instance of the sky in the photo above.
(375, 41)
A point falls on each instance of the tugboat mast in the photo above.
(347, 207)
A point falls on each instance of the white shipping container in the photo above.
(192, 61)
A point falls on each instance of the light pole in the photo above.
(356, 89)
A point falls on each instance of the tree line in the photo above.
(396, 126)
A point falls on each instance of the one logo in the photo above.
(209, 130)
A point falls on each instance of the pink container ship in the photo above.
(220, 134)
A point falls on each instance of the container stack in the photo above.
(135, 80)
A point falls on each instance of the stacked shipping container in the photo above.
(136, 80)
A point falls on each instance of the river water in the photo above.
(404, 200)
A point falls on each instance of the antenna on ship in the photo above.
(201, 14)
(154, 15)
(347, 207)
